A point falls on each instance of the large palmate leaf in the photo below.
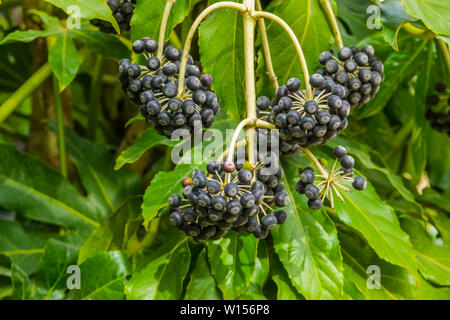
(88, 9)
(222, 52)
(145, 141)
(307, 244)
(103, 277)
(147, 17)
(309, 22)
(24, 247)
(397, 69)
(107, 189)
(435, 14)
(52, 276)
(232, 260)
(162, 278)
(30, 187)
(202, 285)
(433, 259)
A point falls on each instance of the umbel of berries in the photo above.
(438, 108)
(317, 186)
(228, 198)
(154, 87)
(122, 11)
(302, 121)
(359, 72)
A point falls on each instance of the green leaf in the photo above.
(162, 186)
(286, 290)
(162, 278)
(222, 52)
(433, 260)
(147, 17)
(52, 276)
(64, 59)
(308, 21)
(434, 14)
(107, 45)
(202, 285)
(307, 244)
(103, 277)
(147, 140)
(397, 69)
(232, 260)
(24, 247)
(21, 284)
(28, 35)
(107, 189)
(30, 187)
(262, 266)
(365, 212)
(111, 235)
(438, 159)
(89, 9)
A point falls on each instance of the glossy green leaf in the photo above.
(21, 284)
(222, 53)
(232, 260)
(162, 278)
(286, 290)
(433, 259)
(147, 17)
(28, 35)
(103, 277)
(202, 285)
(147, 140)
(435, 14)
(64, 59)
(39, 193)
(307, 244)
(52, 275)
(88, 9)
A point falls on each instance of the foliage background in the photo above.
(108, 215)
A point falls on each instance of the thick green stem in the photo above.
(316, 162)
(334, 25)
(95, 94)
(445, 53)
(419, 33)
(163, 27)
(60, 124)
(24, 91)
(244, 123)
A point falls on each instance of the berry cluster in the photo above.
(230, 197)
(122, 11)
(154, 87)
(302, 121)
(438, 108)
(316, 190)
(354, 76)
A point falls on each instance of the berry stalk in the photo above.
(301, 56)
(334, 25)
(316, 162)
(193, 29)
(162, 29)
(244, 123)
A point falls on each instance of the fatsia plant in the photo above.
(354, 106)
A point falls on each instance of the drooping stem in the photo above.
(193, 29)
(239, 144)
(244, 123)
(266, 49)
(249, 71)
(288, 30)
(60, 124)
(24, 91)
(162, 29)
(264, 124)
(445, 53)
(334, 25)
(419, 33)
(316, 162)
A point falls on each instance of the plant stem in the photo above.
(419, 33)
(266, 48)
(94, 101)
(249, 71)
(316, 162)
(60, 124)
(334, 25)
(24, 91)
(264, 124)
(162, 29)
(301, 56)
(445, 53)
(244, 123)
(240, 143)
(190, 36)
